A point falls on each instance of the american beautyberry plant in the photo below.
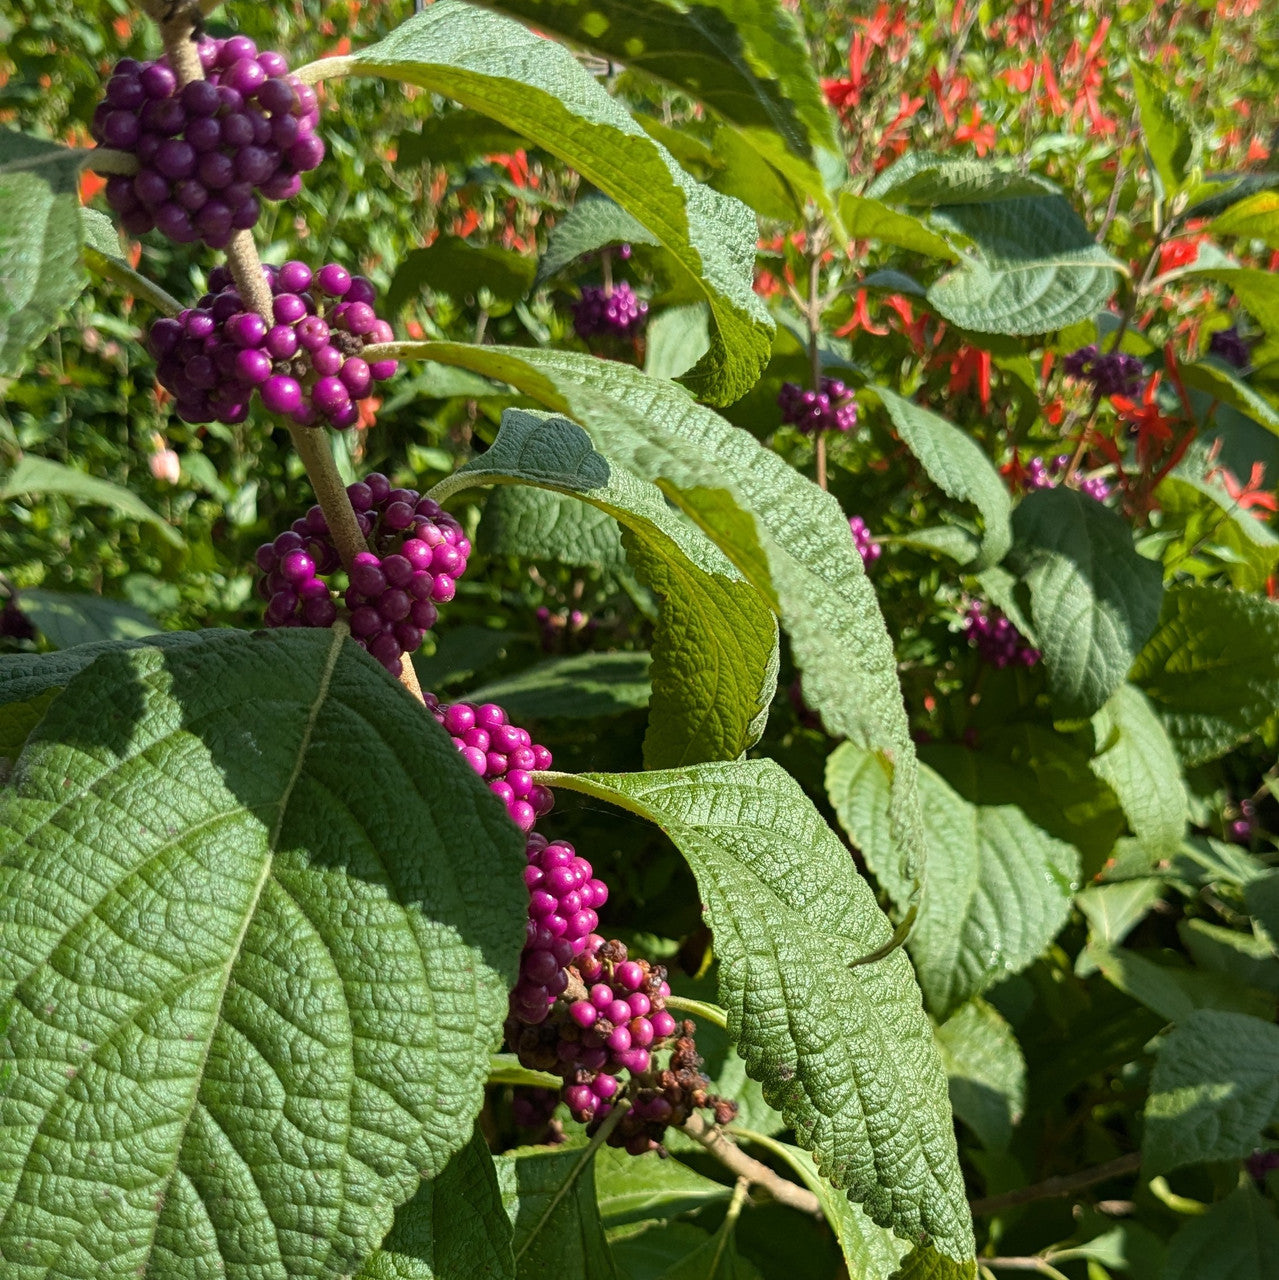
(482, 809)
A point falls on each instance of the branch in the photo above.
(735, 1160)
(1064, 1185)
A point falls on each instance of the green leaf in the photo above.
(275, 994)
(1212, 520)
(986, 1070)
(543, 525)
(1113, 911)
(714, 666)
(591, 224)
(1175, 992)
(681, 1251)
(39, 476)
(550, 1200)
(494, 65)
(957, 465)
(1261, 897)
(867, 219)
(1256, 218)
(925, 1263)
(652, 1187)
(1094, 601)
(745, 59)
(925, 180)
(1211, 668)
(456, 267)
(676, 339)
(1237, 1239)
(1136, 758)
(64, 619)
(581, 686)
(1215, 1087)
(1242, 957)
(17, 720)
(454, 1226)
(1034, 267)
(785, 535)
(40, 268)
(454, 135)
(843, 1050)
(996, 887)
(1224, 383)
(1256, 290)
(1166, 133)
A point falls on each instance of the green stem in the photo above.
(132, 282)
(699, 1009)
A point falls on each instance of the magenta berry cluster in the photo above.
(995, 638)
(830, 409)
(1242, 828)
(505, 756)
(610, 312)
(207, 150)
(1044, 475)
(565, 631)
(1112, 373)
(867, 547)
(308, 365)
(418, 552)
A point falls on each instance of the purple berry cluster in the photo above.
(1242, 828)
(1227, 345)
(1112, 373)
(867, 547)
(418, 553)
(830, 409)
(614, 313)
(505, 757)
(997, 641)
(307, 365)
(207, 150)
(1042, 475)
(568, 631)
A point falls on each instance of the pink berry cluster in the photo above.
(505, 757)
(1043, 475)
(997, 641)
(207, 150)
(1242, 828)
(565, 631)
(830, 409)
(867, 547)
(418, 553)
(307, 365)
(611, 312)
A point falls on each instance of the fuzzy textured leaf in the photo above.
(986, 1070)
(845, 1053)
(590, 225)
(1237, 1239)
(65, 619)
(583, 685)
(925, 180)
(543, 525)
(251, 1003)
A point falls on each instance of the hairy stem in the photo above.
(735, 1160)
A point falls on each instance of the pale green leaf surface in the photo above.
(1237, 1239)
(1215, 1087)
(494, 65)
(593, 223)
(925, 1263)
(987, 1072)
(996, 887)
(252, 1003)
(676, 340)
(867, 219)
(845, 1053)
(1211, 668)
(922, 179)
(1256, 218)
(580, 686)
(1094, 601)
(544, 525)
(1114, 910)
(650, 1187)
(65, 619)
(1175, 992)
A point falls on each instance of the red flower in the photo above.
(969, 365)
(1250, 495)
(1153, 427)
(860, 319)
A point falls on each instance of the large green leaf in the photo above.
(455, 1226)
(786, 536)
(714, 668)
(252, 1002)
(1034, 267)
(1136, 758)
(925, 1263)
(648, 1188)
(958, 466)
(1211, 668)
(1256, 218)
(1215, 1087)
(986, 1070)
(925, 181)
(1094, 601)
(1172, 991)
(867, 219)
(40, 236)
(745, 59)
(996, 887)
(543, 525)
(1237, 1239)
(494, 65)
(590, 225)
(65, 618)
(36, 476)
(454, 266)
(1165, 131)
(842, 1049)
(583, 685)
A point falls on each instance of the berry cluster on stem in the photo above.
(1045, 475)
(867, 547)
(996, 639)
(832, 408)
(609, 311)
(1111, 373)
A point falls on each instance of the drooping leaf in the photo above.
(492, 64)
(1237, 1239)
(1035, 267)
(1223, 383)
(1166, 133)
(590, 225)
(650, 1187)
(543, 525)
(714, 663)
(275, 994)
(785, 535)
(454, 1226)
(996, 887)
(1136, 758)
(958, 466)
(40, 234)
(867, 219)
(583, 685)
(1211, 668)
(843, 1050)
(676, 340)
(454, 266)
(1242, 957)
(1113, 911)
(987, 1072)
(925, 181)
(1215, 1087)
(550, 1199)
(1094, 601)
(1261, 897)
(34, 475)
(65, 619)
